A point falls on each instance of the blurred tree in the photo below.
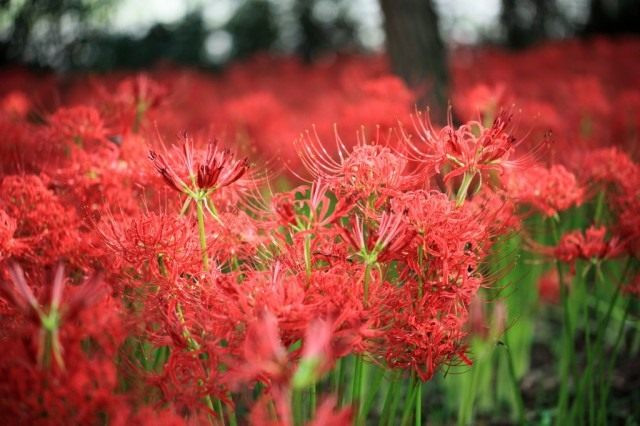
(525, 22)
(319, 35)
(42, 30)
(416, 50)
(613, 17)
(253, 28)
(179, 43)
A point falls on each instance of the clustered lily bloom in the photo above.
(198, 173)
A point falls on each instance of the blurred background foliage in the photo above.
(114, 34)
(104, 35)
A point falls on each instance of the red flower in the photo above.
(49, 318)
(548, 190)
(15, 104)
(198, 173)
(386, 241)
(366, 168)
(633, 287)
(590, 245)
(549, 286)
(160, 241)
(471, 148)
(81, 126)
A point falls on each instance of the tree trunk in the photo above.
(613, 17)
(417, 52)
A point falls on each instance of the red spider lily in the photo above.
(629, 225)
(50, 227)
(264, 352)
(15, 104)
(470, 148)
(366, 168)
(77, 126)
(388, 240)
(142, 93)
(426, 335)
(51, 317)
(589, 245)
(283, 205)
(624, 197)
(198, 173)
(313, 214)
(549, 286)
(633, 287)
(320, 205)
(159, 241)
(451, 239)
(126, 107)
(548, 190)
(609, 165)
(9, 246)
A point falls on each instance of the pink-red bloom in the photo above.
(194, 171)
(48, 318)
(549, 190)
(592, 244)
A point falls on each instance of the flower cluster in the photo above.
(147, 279)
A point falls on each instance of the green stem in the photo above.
(606, 372)
(412, 389)
(185, 206)
(161, 356)
(394, 408)
(389, 398)
(203, 235)
(218, 408)
(602, 325)
(418, 403)
(466, 406)
(213, 210)
(231, 414)
(373, 388)
(461, 196)
(298, 415)
(356, 389)
(313, 400)
(514, 381)
(567, 337)
(595, 347)
(335, 380)
(588, 373)
(342, 381)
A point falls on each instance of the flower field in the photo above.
(284, 244)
